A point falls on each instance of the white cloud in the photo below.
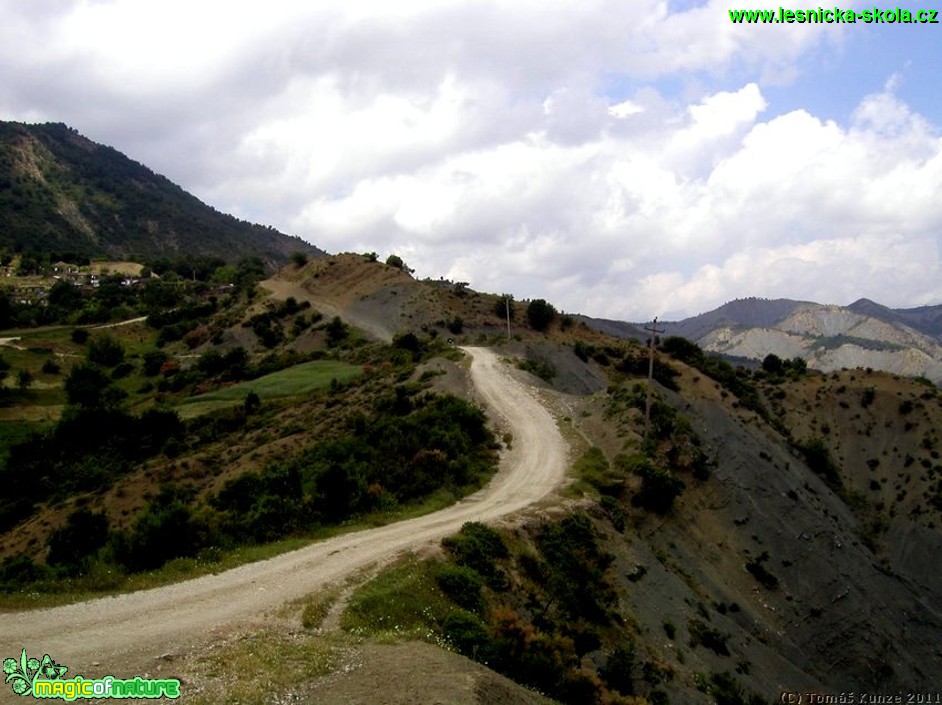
(620, 159)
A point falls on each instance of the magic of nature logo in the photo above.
(44, 679)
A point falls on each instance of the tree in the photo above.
(88, 387)
(772, 364)
(298, 259)
(251, 403)
(395, 261)
(153, 360)
(65, 295)
(799, 366)
(540, 314)
(23, 380)
(249, 271)
(82, 535)
(336, 331)
(501, 306)
(105, 350)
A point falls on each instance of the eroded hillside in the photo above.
(775, 533)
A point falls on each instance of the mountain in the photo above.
(741, 313)
(925, 319)
(772, 534)
(906, 342)
(62, 193)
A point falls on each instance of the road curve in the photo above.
(130, 631)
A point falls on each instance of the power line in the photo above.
(653, 330)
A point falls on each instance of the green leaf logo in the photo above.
(24, 673)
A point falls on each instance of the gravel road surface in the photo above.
(124, 635)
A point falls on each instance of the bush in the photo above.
(540, 314)
(758, 570)
(819, 459)
(165, 530)
(701, 634)
(396, 261)
(577, 567)
(462, 585)
(504, 304)
(478, 547)
(74, 543)
(539, 368)
(19, 570)
(88, 387)
(467, 633)
(658, 490)
(336, 331)
(105, 351)
(726, 690)
(251, 403)
(617, 669)
(595, 469)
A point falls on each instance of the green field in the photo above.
(293, 381)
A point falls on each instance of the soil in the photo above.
(421, 673)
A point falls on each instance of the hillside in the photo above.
(865, 334)
(62, 193)
(777, 532)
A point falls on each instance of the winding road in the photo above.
(125, 634)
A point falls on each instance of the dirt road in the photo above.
(124, 635)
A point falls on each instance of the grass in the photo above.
(255, 668)
(300, 379)
(316, 607)
(13, 432)
(403, 601)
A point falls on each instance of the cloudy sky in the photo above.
(623, 159)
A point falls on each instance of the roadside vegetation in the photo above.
(160, 450)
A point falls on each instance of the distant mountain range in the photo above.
(63, 193)
(865, 334)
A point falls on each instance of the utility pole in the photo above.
(653, 330)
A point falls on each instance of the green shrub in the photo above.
(577, 568)
(105, 350)
(617, 670)
(701, 634)
(658, 490)
(71, 545)
(818, 457)
(540, 368)
(478, 547)
(462, 584)
(540, 314)
(726, 690)
(19, 570)
(165, 530)
(467, 633)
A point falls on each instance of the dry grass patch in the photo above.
(256, 668)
